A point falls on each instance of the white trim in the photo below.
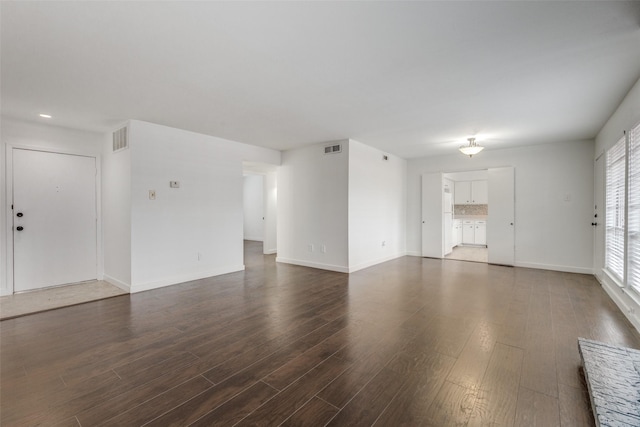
(8, 290)
(270, 251)
(146, 286)
(414, 253)
(330, 267)
(564, 268)
(367, 264)
(624, 301)
(115, 282)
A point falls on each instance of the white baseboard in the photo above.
(146, 286)
(371, 263)
(115, 282)
(564, 268)
(270, 251)
(312, 264)
(253, 239)
(414, 253)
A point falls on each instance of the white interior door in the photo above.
(501, 218)
(54, 219)
(432, 215)
(598, 220)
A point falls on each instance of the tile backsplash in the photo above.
(471, 209)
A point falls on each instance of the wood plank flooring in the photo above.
(409, 342)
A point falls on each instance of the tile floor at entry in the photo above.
(61, 296)
(469, 253)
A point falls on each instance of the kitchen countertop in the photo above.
(481, 217)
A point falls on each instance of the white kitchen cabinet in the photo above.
(468, 232)
(480, 233)
(474, 232)
(479, 192)
(471, 193)
(462, 195)
(457, 232)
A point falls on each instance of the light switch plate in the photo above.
(174, 184)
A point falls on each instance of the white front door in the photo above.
(54, 219)
(501, 218)
(432, 215)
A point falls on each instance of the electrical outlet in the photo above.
(310, 248)
(323, 248)
(152, 194)
(199, 256)
(384, 243)
(174, 184)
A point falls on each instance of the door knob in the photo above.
(594, 224)
(19, 214)
(19, 228)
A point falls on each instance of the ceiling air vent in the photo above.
(120, 140)
(330, 149)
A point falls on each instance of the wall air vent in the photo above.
(330, 149)
(120, 139)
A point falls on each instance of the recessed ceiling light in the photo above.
(46, 116)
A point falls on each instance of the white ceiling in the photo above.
(411, 78)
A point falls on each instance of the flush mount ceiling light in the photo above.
(472, 148)
(45, 116)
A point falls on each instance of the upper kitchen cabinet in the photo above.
(479, 192)
(471, 193)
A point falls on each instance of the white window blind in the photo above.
(633, 215)
(615, 209)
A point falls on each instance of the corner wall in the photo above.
(313, 208)
(551, 232)
(116, 214)
(377, 206)
(194, 231)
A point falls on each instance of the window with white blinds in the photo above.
(633, 213)
(615, 178)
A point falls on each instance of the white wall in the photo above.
(270, 242)
(116, 214)
(44, 136)
(253, 203)
(196, 230)
(626, 116)
(313, 208)
(377, 206)
(550, 233)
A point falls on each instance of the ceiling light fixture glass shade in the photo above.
(472, 148)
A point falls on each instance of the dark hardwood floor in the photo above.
(409, 342)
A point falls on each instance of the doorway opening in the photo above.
(466, 216)
(260, 194)
(472, 211)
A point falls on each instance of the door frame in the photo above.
(9, 278)
(599, 178)
(432, 254)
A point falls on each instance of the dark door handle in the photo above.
(594, 224)
(19, 214)
(19, 228)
